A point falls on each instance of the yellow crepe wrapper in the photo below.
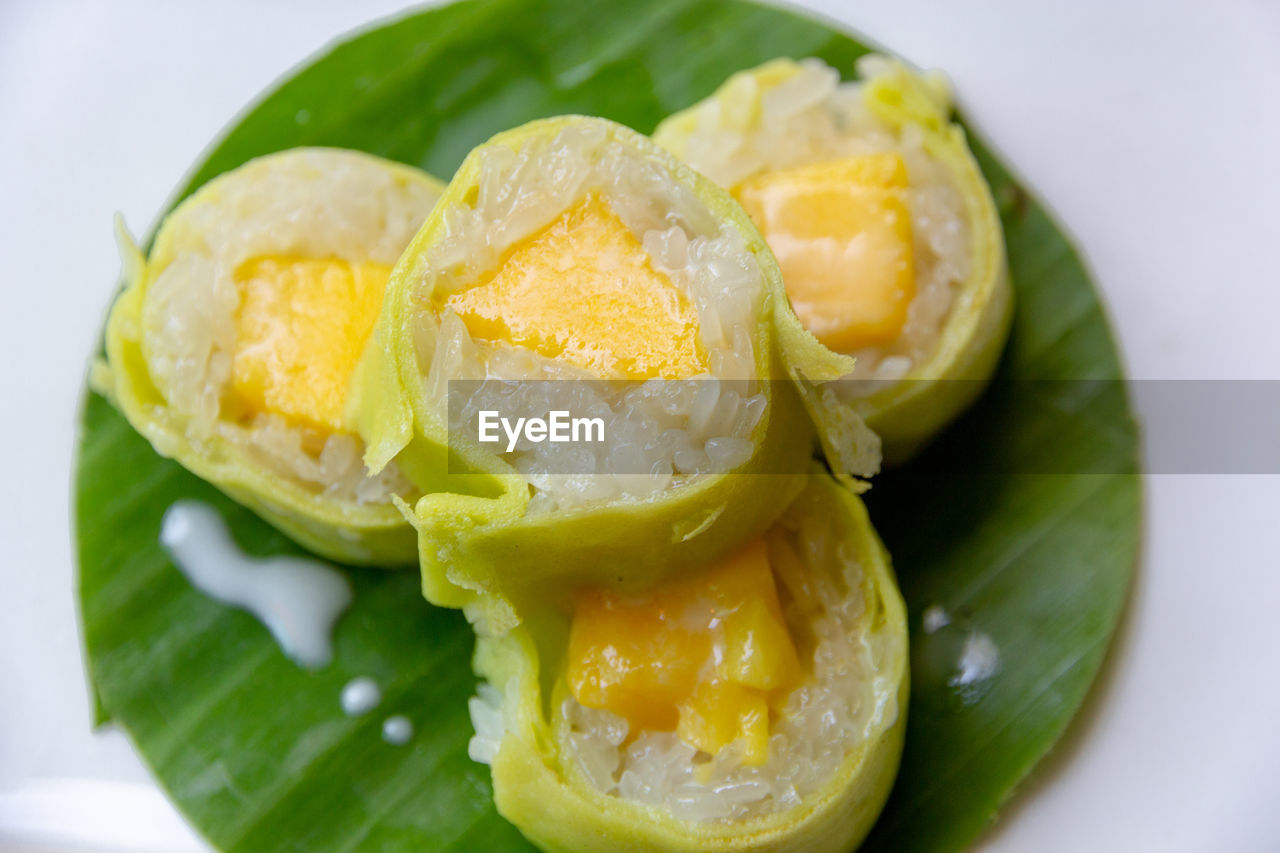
(480, 548)
(545, 794)
(337, 527)
(906, 413)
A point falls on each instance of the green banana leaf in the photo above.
(257, 752)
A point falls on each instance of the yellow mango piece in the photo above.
(842, 234)
(636, 659)
(701, 655)
(759, 652)
(720, 712)
(583, 291)
(301, 328)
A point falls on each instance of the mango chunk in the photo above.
(584, 291)
(301, 328)
(720, 712)
(842, 234)
(703, 656)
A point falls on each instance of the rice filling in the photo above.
(811, 733)
(513, 297)
(812, 119)
(305, 225)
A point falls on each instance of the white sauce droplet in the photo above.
(299, 600)
(935, 618)
(360, 696)
(397, 730)
(979, 660)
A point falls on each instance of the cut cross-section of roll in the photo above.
(234, 346)
(754, 703)
(573, 266)
(884, 227)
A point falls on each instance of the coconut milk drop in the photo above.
(397, 730)
(360, 696)
(299, 600)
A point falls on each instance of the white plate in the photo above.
(1152, 130)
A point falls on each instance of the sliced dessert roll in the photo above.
(234, 344)
(573, 266)
(754, 703)
(884, 227)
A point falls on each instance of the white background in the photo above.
(1153, 130)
